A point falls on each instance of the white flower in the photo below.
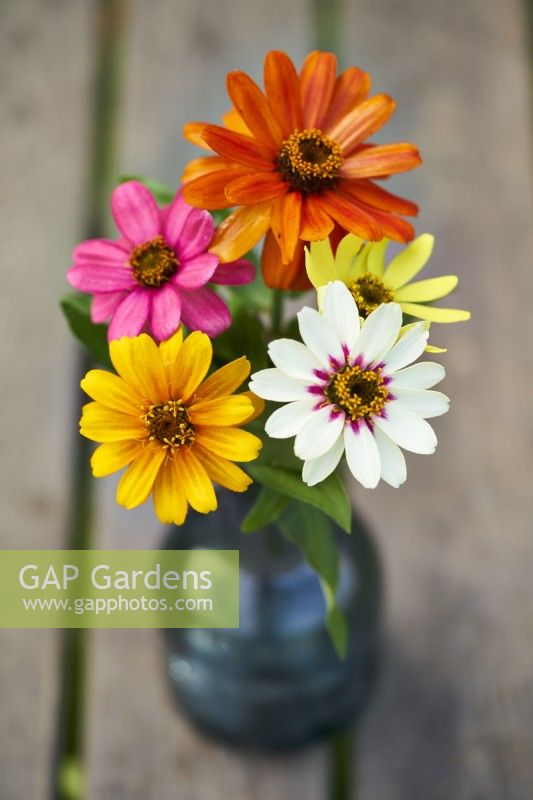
(349, 389)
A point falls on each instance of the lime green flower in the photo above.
(361, 266)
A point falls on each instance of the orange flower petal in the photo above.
(241, 231)
(283, 91)
(316, 223)
(239, 148)
(351, 216)
(256, 188)
(276, 274)
(209, 191)
(382, 159)
(363, 121)
(351, 87)
(203, 166)
(192, 131)
(368, 192)
(392, 226)
(254, 109)
(234, 122)
(317, 81)
(286, 214)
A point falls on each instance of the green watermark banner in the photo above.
(119, 589)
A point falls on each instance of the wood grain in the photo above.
(43, 56)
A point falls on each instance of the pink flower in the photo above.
(157, 274)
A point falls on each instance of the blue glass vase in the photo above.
(276, 682)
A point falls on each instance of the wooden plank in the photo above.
(139, 747)
(44, 57)
(453, 717)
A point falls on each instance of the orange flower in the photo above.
(296, 163)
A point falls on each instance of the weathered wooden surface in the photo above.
(44, 55)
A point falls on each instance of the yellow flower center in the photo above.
(169, 424)
(369, 292)
(309, 161)
(359, 393)
(153, 262)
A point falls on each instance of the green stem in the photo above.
(276, 312)
(342, 766)
(327, 25)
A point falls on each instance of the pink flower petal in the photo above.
(100, 251)
(203, 310)
(100, 278)
(234, 273)
(174, 217)
(103, 306)
(196, 272)
(130, 316)
(166, 309)
(196, 235)
(135, 212)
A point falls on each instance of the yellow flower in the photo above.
(361, 266)
(176, 430)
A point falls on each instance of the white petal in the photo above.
(425, 404)
(289, 420)
(408, 348)
(319, 336)
(393, 466)
(340, 310)
(362, 455)
(379, 332)
(319, 433)
(294, 359)
(271, 384)
(317, 469)
(419, 376)
(407, 429)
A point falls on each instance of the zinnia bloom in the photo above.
(350, 389)
(296, 161)
(175, 430)
(157, 274)
(361, 267)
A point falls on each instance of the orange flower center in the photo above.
(169, 424)
(369, 292)
(153, 262)
(309, 161)
(358, 392)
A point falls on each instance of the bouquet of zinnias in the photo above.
(175, 308)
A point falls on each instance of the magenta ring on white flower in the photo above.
(348, 388)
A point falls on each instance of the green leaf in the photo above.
(266, 509)
(311, 531)
(328, 496)
(162, 193)
(77, 309)
(244, 337)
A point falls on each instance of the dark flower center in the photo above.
(369, 292)
(360, 393)
(169, 424)
(153, 262)
(309, 161)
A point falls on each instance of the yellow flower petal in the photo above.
(195, 480)
(103, 424)
(221, 411)
(258, 406)
(409, 262)
(232, 443)
(190, 367)
(431, 348)
(225, 380)
(374, 255)
(222, 471)
(424, 291)
(434, 314)
(348, 263)
(320, 264)
(138, 361)
(136, 483)
(112, 391)
(169, 350)
(170, 501)
(112, 456)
